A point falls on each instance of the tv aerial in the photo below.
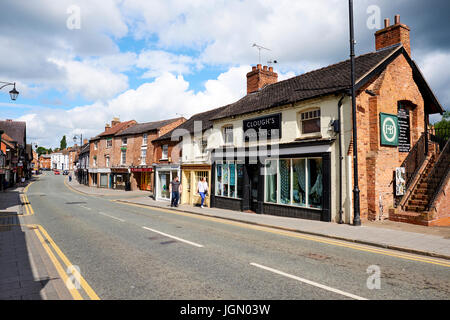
(259, 50)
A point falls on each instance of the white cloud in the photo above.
(93, 83)
(161, 99)
(157, 62)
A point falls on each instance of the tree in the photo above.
(42, 150)
(442, 128)
(63, 143)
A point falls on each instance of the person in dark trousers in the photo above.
(175, 189)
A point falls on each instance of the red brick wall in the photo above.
(377, 163)
(259, 77)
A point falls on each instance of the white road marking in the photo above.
(309, 282)
(84, 207)
(107, 215)
(176, 238)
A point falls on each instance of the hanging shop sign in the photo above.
(388, 129)
(263, 127)
(404, 140)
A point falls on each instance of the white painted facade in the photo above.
(60, 161)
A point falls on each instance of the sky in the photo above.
(79, 63)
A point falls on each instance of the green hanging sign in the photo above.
(388, 129)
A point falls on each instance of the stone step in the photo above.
(415, 208)
(415, 202)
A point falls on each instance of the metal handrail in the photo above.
(442, 157)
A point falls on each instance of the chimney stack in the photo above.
(115, 121)
(391, 35)
(259, 77)
(85, 141)
(107, 126)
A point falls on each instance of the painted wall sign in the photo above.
(388, 129)
(262, 127)
(404, 139)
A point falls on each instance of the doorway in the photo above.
(253, 177)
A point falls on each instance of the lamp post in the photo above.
(356, 203)
(75, 137)
(13, 93)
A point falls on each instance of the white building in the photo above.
(60, 160)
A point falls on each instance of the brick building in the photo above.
(101, 153)
(286, 147)
(45, 161)
(133, 158)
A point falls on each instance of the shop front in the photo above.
(191, 175)
(120, 179)
(294, 181)
(103, 178)
(164, 174)
(93, 177)
(143, 177)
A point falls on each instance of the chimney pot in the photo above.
(386, 22)
(258, 66)
(253, 68)
(265, 68)
(397, 19)
(271, 69)
(392, 35)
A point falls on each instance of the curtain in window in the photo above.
(315, 183)
(271, 181)
(299, 183)
(285, 181)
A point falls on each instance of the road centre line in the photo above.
(293, 234)
(176, 238)
(312, 283)
(107, 215)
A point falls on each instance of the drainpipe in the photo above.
(340, 159)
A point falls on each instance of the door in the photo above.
(164, 180)
(253, 176)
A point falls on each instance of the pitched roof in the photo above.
(204, 117)
(146, 127)
(114, 129)
(15, 129)
(324, 81)
(85, 148)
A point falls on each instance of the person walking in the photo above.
(202, 189)
(175, 190)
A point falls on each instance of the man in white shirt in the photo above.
(202, 189)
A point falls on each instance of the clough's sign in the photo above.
(262, 128)
(388, 129)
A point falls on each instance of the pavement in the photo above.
(428, 241)
(26, 271)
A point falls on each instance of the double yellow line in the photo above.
(51, 248)
(53, 251)
(293, 234)
(29, 210)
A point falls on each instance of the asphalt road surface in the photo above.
(131, 252)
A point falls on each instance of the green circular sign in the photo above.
(389, 128)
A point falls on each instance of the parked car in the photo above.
(56, 172)
(65, 172)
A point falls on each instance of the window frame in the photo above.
(301, 120)
(122, 153)
(143, 158)
(166, 156)
(307, 173)
(144, 139)
(126, 141)
(228, 162)
(107, 143)
(224, 134)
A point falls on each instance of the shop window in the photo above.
(229, 179)
(297, 182)
(143, 156)
(310, 121)
(228, 134)
(271, 181)
(165, 152)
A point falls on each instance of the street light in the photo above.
(75, 137)
(13, 93)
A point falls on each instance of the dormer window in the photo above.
(310, 121)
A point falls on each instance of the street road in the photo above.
(131, 252)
